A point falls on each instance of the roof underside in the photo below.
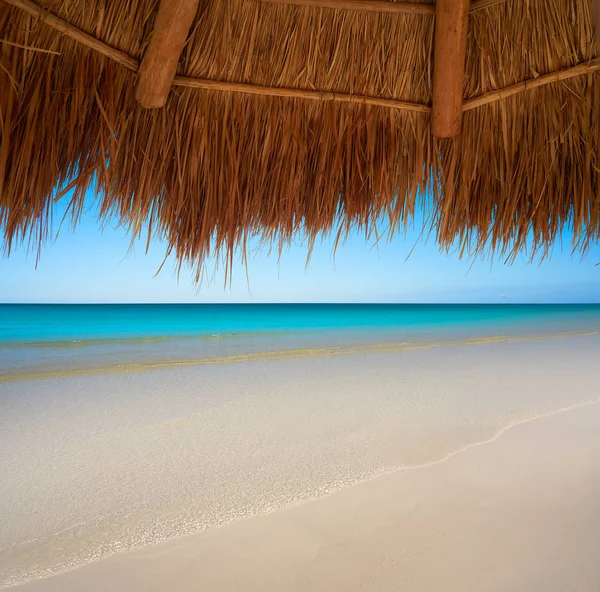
(215, 166)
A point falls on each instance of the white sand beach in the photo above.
(457, 468)
(520, 512)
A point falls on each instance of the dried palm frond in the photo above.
(215, 166)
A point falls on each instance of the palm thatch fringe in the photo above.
(214, 167)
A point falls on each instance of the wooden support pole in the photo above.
(451, 25)
(159, 65)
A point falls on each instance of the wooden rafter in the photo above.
(380, 5)
(74, 33)
(362, 5)
(449, 52)
(514, 89)
(129, 62)
(159, 65)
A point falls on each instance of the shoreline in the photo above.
(98, 465)
(284, 354)
(188, 549)
(400, 470)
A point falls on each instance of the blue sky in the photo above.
(95, 265)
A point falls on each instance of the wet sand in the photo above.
(520, 512)
(456, 467)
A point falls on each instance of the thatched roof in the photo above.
(312, 114)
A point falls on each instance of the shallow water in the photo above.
(54, 337)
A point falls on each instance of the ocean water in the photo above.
(71, 324)
(55, 337)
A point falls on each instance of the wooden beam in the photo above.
(74, 33)
(515, 89)
(449, 52)
(159, 65)
(384, 6)
(298, 93)
(362, 5)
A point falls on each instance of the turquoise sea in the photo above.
(55, 336)
(80, 323)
